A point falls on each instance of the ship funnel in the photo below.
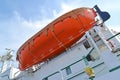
(104, 15)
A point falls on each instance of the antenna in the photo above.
(5, 59)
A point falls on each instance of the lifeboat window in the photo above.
(45, 79)
(68, 70)
(86, 44)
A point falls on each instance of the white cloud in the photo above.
(17, 16)
(36, 24)
(39, 24)
(64, 9)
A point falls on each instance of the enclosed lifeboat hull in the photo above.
(56, 37)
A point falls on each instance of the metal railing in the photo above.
(71, 65)
(113, 36)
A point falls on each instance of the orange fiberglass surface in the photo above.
(56, 37)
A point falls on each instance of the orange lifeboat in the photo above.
(56, 37)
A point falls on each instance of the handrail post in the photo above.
(88, 70)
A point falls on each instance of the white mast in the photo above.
(5, 59)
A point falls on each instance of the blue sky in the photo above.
(20, 19)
